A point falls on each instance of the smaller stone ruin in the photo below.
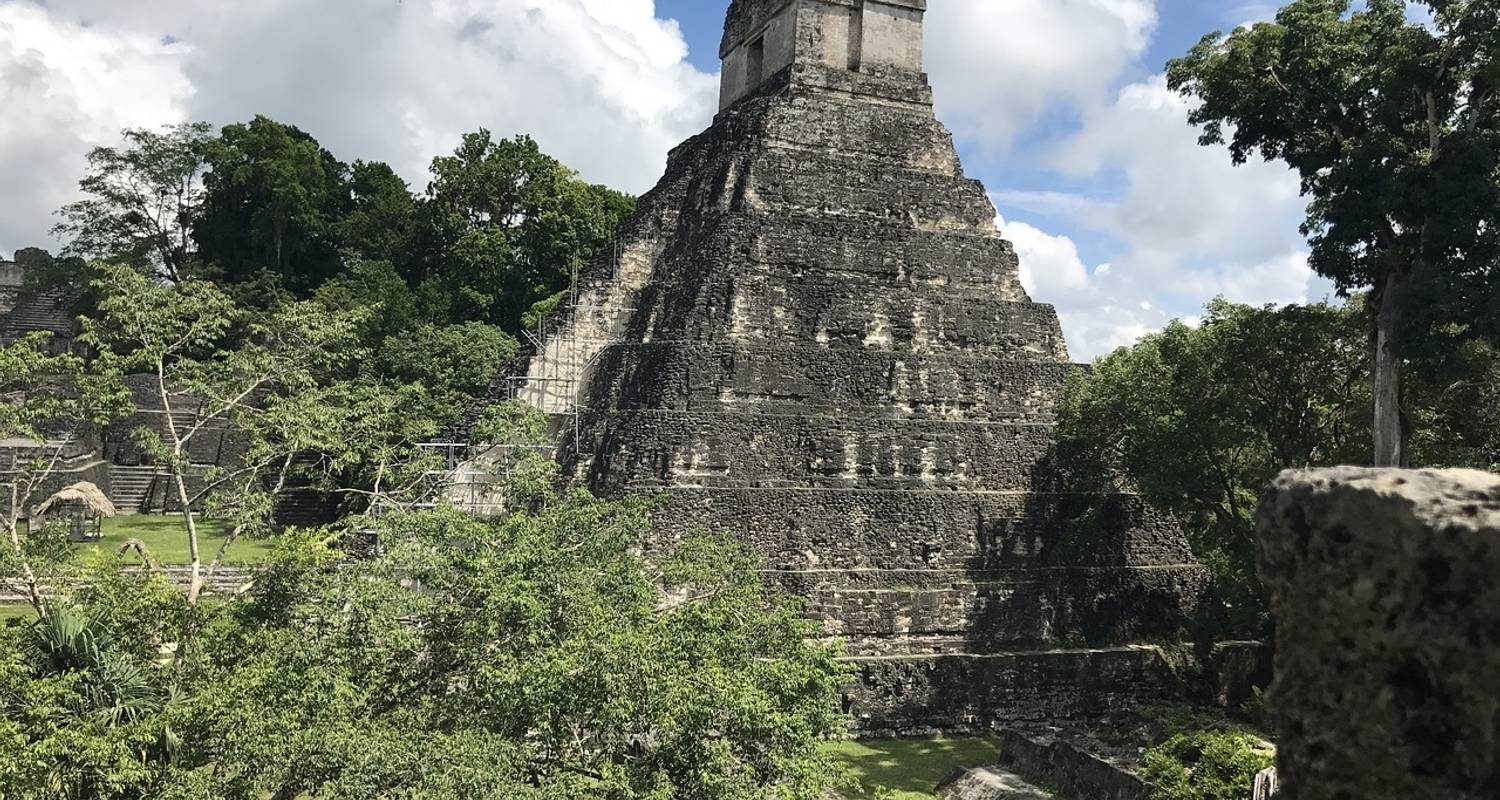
(1385, 586)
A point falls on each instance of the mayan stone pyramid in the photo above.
(812, 335)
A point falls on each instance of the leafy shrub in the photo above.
(1206, 766)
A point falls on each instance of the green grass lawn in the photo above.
(911, 768)
(15, 612)
(166, 538)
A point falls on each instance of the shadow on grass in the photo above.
(16, 614)
(911, 768)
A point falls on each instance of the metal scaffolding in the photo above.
(566, 349)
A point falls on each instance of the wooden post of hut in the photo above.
(83, 506)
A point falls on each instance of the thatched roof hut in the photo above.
(83, 496)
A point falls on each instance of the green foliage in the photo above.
(265, 372)
(141, 202)
(273, 200)
(455, 363)
(1455, 402)
(1394, 128)
(52, 401)
(1202, 418)
(540, 656)
(62, 281)
(1210, 765)
(217, 358)
(263, 206)
(505, 226)
(377, 289)
(79, 716)
(511, 423)
(53, 395)
(381, 223)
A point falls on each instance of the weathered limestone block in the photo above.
(846, 531)
(793, 380)
(651, 449)
(970, 692)
(1385, 585)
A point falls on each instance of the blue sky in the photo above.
(1122, 221)
(1019, 167)
(1075, 224)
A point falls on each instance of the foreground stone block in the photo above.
(1385, 586)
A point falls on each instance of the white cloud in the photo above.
(1176, 222)
(1093, 319)
(1180, 223)
(605, 85)
(602, 84)
(1182, 200)
(65, 88)
(998, 67)
(1050, 265)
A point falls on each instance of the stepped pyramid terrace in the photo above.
(812, 335)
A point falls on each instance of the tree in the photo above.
(541, 657)
(85, 695)
(1456, 404)
(1201, 419)
(535, 656)
(1206, 765)
(504, 226)
(214, 362)
(377, 289)
(62, 282)
(1394, 128)
(143, 200)
(52, 403)
(381, 224)
(454, 363)
(273, 199)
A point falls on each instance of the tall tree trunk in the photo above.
(179, 478)
(13, 527)
(195, 588)
(1390, 436)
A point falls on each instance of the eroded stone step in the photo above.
(990, 783)
(835, 530)
(905, 695)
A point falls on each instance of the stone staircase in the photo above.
(131, 487)
(225, 582)
(1072, 762)
(45, 312)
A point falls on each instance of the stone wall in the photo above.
(969, 692)
(892, 36)
(216, 445)
(1385, 586)
(70, 463)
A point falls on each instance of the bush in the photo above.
(1206, 766)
